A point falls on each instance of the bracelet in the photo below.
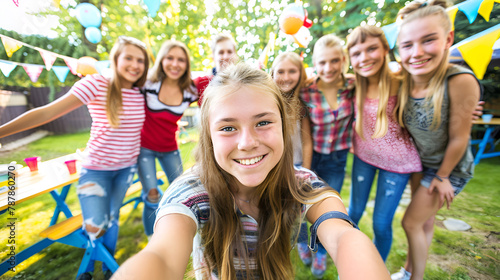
(314, 241)
(440, 178)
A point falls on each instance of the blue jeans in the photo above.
(172, 166)
(331, 167)
(390, 188)
(457, 183)
(101, 194)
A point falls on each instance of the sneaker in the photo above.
(304, 253)
(84, 276)
(318, 267)
(401, 275)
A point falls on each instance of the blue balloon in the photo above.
(93, 34)
(88, 15)
(153, 7)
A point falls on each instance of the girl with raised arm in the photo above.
(245, 198)
(437, 100)
(117, 110)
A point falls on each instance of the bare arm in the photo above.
(41, 115)
(167, 254)
(464, 95)
(307, 142)
(349, 248)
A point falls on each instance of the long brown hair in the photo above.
(292, 97)
(358, 36)
(114, 100)
(279, 195)
(436, 89)
(157, 74)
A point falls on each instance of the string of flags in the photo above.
(34, 70)
(476, 50)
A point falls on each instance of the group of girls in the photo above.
(244, 200)
(388, 108)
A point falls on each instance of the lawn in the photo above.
(473, 254)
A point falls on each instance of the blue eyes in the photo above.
(231, 129)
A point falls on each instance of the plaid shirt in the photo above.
(332, 130)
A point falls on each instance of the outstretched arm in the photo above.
(307, 142)
(353, 253)
(167, 254)
(41, 115)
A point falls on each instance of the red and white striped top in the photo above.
(111, 148)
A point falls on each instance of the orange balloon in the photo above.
(291, 25)
(86, 66)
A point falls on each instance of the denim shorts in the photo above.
(457, 183)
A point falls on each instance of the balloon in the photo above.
(302, 37)
(88, 15)
(292, 19)
(86, 66)
(307, 22)
(93, 34)
(153, 7)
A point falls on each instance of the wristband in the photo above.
(440, 178)
(314, 241)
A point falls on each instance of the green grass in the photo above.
(472, 254)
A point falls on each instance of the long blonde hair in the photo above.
(279, 195)
(292, 97)
(114, 100)
(157, 74)
(359, 35)
(436, 89)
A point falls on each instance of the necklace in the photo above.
(247, 201)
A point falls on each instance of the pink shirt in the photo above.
(395, 152)
(111, 148)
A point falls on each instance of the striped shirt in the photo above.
(331, 129)
(110, 148)
(188, 196)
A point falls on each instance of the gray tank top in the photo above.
(431, 143)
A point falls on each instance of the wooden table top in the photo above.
(51, 174)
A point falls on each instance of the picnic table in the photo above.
(488, 138)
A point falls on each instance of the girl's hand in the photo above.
(444, 189)
(478, 111)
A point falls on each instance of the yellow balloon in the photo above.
(86, 66)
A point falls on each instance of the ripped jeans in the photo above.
(390, 188)
(101, 194)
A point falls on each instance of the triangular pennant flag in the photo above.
(101, 65)
(33, 71)
(485, 9)
(477, 50)
(72, 64)
(264, 56)
(61, 72)
(11, 45)
(391, 33)
(452, 13)
(48, 58)
(470, 9)
(7, 67)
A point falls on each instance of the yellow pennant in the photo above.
(452, 13)
(485, 9)
(477, 53)
(11, 45)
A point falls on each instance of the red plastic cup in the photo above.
(32, 163)
(71, 164)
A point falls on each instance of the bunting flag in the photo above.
(486, 8)
(10, 45)
(102, 65)
(470, 8)
(72, 64)
(61, 72)
(48, 58)
(33, 71)
(7, 67)
(391, 33)
(477, 50)
(452, 13)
